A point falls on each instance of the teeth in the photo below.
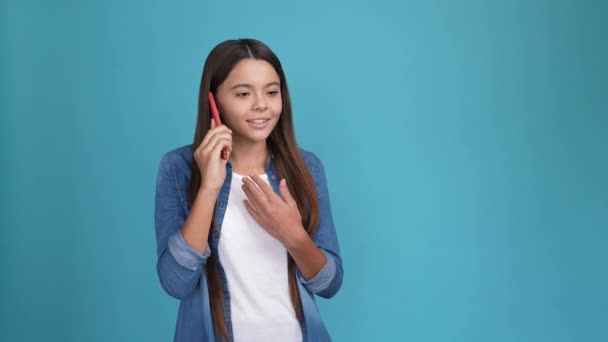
(257, 121)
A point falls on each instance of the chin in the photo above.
(257, 138)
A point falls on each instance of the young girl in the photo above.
(245, 242)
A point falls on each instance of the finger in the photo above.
(286, 194)
(253, 202)
(251, 210)
(212, 123)
(219, 146)
(254, 195)
(258, 187)
(213, 131)
(217, 137)
(263, 186)
(253, 192)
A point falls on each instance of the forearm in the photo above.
(307, 256)
(196, 228)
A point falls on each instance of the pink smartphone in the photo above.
(216, 118)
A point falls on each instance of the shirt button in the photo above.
(273, 177)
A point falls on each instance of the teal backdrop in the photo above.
(465, 145)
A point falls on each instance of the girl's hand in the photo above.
(209, 159)
(280, 217)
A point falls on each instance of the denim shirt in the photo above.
(181, 269)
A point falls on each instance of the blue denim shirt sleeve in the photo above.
(321, 280)
(179, 266)
(328, 280)
(185, 254)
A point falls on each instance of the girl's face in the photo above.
(249, 100)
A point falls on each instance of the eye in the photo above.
(242, 94)
(273, 92)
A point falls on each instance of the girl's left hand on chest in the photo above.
(280, 217)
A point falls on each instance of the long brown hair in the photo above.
(287, 159)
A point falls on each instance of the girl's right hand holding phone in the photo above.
(208, 156)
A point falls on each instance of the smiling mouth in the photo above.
(258, 121)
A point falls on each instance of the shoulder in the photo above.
(177, 163)
(314, 164)
(177, 156)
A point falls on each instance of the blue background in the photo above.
(465, 145)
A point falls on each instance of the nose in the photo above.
(260, 103)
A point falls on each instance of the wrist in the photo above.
(296, 240)
(206, 192)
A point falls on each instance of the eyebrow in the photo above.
(247, 85)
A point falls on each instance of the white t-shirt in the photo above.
(255, 264)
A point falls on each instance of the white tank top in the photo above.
(255, 264)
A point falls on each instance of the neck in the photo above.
(249, 158)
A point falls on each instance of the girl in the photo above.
(245, 242)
